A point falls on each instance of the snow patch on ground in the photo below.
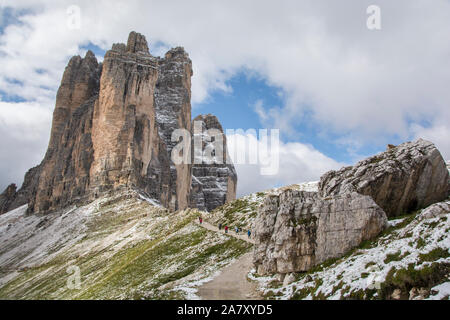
(442, 292)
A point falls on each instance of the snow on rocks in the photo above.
(436, 210)
(411, 241)
(440, 292)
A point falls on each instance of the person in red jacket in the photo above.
(200, 220)
(226, 229)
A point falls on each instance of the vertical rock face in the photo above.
(7, 197)
(64, 173)
(212, 184)
(112, 129)
(405, 178)
(124, 135)
(297, 230)
(173, 111)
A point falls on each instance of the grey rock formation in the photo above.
(173, 111)
(112, 129)
(288, 279)
(297, 230)
(63, 175)
(137, 43)
(12, 199)
(435, 210)
(403, 179)
(7, 197)
(212, 184)
(448, 168)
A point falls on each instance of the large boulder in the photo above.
(297, 230)
(403, 179)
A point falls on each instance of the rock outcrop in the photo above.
(11, 199)
(297, 230)
(64, 175)
(403, 179)
(112, 129)
(435, 210)
(212, 184)
(7, 197)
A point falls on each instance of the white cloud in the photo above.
(24, 132)
(297, 163)
(260, 111)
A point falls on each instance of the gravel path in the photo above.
(232, 282)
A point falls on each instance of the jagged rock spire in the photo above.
(137, 43)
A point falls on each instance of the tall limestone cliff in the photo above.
(112, 128)
(63, 176)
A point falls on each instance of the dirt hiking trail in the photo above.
(232, 282)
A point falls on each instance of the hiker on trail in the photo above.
(249, 233)
(220, 226)
(226, 229)
(200, 220)
(237, 230)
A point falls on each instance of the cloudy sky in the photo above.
(336, 90)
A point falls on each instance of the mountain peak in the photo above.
(88, 157)
(137, 43)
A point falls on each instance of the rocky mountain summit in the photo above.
(112, 128)
(297, 230)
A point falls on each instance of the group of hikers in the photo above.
(236, 229)
(226, 228)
